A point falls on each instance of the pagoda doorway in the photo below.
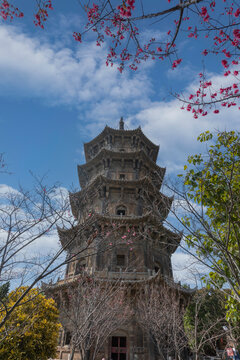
(118, 349)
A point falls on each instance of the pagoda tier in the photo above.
(126, 278)
(113, 164)
(77, 235)
(120, 140)
(135, 196)
(142, 242)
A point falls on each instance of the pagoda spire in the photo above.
(121, 124)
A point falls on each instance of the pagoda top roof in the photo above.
(108, 130)
(121, 131)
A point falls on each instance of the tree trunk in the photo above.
(86, 355)
(72, 353)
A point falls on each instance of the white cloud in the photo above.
(32, 67)
(59, 195)
(187, 269)
(181, 73)
(45, 245)
(176, 130)
(6, 190)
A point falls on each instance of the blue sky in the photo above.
(56, 94)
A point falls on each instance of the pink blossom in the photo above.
(236, 34)
(237, 13)
(227, 73)
(227, 53)
(176, 63)
(204, 14)
(225, 64)
(204, 11)
(77, 37)
(5, 4)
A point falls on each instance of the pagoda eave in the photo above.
(73, 198)
(118, 154)
(173, 239)
(68, 237)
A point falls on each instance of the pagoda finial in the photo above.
(121, 124)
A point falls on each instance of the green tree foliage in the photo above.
(213, 204)
(31, 332)
(205, 322)
(4, 289)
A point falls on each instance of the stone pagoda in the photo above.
(120, 189)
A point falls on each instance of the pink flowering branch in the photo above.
(8, 11)
(117, 23)
(207, 96)
(42, 14)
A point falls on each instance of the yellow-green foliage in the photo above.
(31, 331)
